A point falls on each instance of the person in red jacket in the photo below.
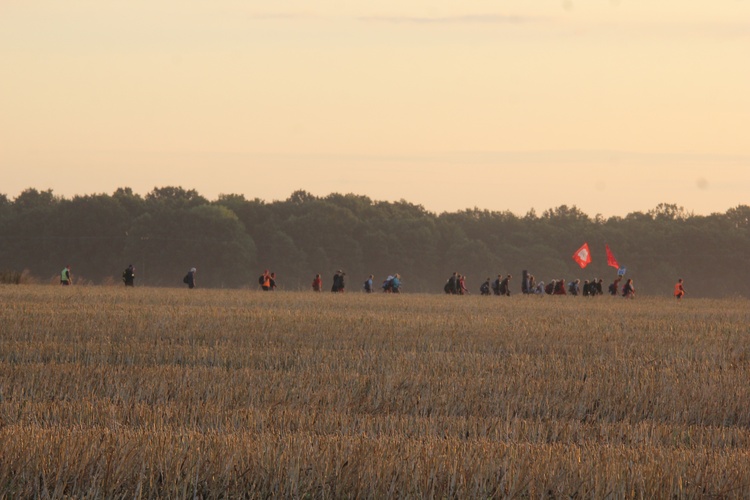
(679, 290)
(317, 284)
(462, 290)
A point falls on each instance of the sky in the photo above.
(613, 106)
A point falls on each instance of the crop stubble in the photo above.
(158, 392)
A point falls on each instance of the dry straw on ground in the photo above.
(109, 392)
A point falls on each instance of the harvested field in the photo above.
(110, 392)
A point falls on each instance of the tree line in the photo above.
(231, 240)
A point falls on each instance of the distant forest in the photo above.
(232, 240)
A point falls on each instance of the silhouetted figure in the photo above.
(615, 286)
(272, 282)
(189, 278)
(628, 291)
(496, 284)
(338, 281)
(505, 286)
(128, 276)
(451, 286)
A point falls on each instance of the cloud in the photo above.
(279, 16)
(464, 19)
(656, 30)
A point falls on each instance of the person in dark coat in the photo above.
(338, 281)
(496, 284)
(505, 286)
(628, 291)
(128, 276)
(190, 278)
(485, 288)
(451, 286)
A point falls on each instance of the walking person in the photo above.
(189, 278)
(462, 290)
(264, 280)
(396, 283)
(628, 291)
(317, 284)
(65, 277)
(614, 287)
(496, 284)
(368, 284)
(128, 276)
(679, 290)
(338, 281)
(485, 288)
(505, 286)
(451, 286)
(272, 282)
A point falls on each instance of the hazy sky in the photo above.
(610, 105)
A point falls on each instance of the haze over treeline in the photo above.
(231, 240)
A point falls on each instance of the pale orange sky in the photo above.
(614, 106)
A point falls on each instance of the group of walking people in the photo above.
(392, 284)
(589, 289)
(338, 285)
(455, 285)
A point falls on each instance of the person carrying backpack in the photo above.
(451, 286)
(505, 286)
(485, 288)
(338, 281)
(189, 278)
(128, 276)
(367, 285)
(65, 277)
(597, 287)
(271, 282)
(628, 291)
(264, 280)
(396, 283)
(615, 286)
(496, 284)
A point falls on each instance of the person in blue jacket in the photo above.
(396, 283)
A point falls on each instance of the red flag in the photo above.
(582, 256)
(611, 261)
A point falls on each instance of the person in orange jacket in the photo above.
(679, 290)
